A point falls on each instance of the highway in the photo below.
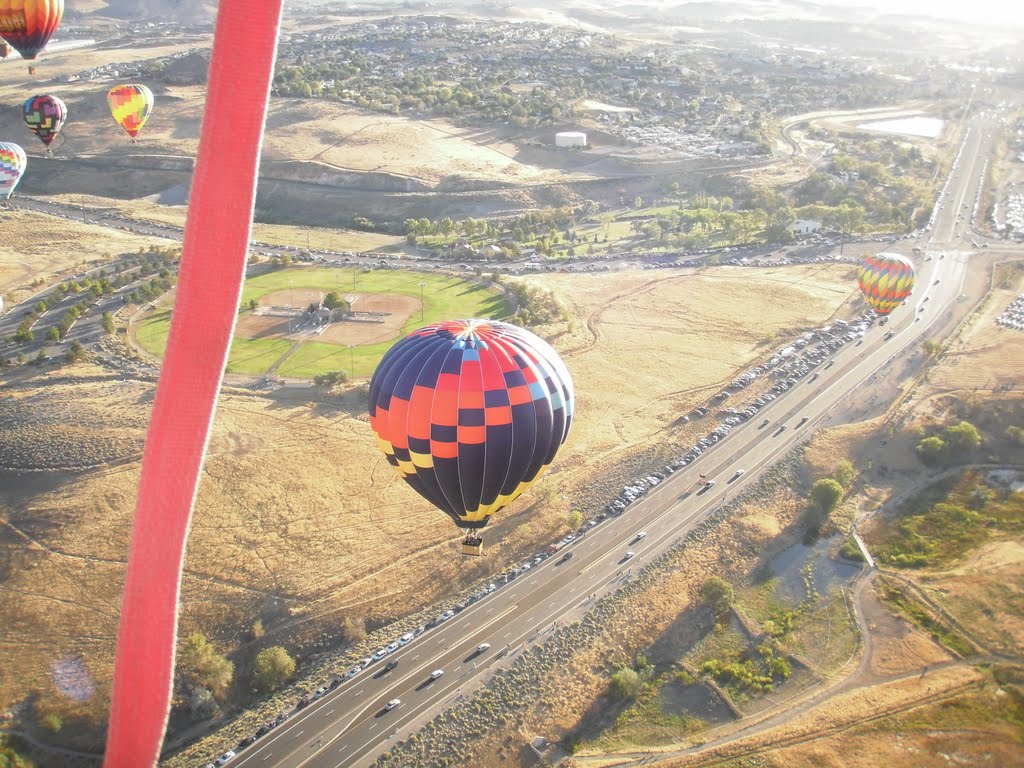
(350, 727)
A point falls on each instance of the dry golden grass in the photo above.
(300, 521)
(986, 356)
(35, 246)
(911, 722)
(986, 594)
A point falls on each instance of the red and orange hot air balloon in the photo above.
(28, 25)
(130, 105)
(470, 413)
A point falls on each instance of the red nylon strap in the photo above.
(209, 286)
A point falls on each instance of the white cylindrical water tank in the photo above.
(570, 139)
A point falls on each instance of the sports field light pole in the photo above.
(421, 301)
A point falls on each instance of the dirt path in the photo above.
(868, 613)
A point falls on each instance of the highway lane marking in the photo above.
(402, 681)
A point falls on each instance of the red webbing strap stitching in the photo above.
(209, 286)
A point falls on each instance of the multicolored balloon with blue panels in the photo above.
(13, 162)
(470, 413)
(885, 279)
(45, 116)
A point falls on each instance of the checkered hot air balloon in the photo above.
(470, 413)
(130, 105)
(28, 25)
(45, 116)
(12, 165)
(886, 280)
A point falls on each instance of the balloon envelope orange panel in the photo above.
(12, 165)
(470, 413)
(45, 116)
(28, 25)
(886, 279)
(130, 105)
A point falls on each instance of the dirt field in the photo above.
(989, 357)
(34, 246)
(429, 150)
(397, 310)
(300, 521)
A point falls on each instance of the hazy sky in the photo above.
(1000, 12)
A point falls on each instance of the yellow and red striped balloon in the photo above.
(886, 279)
(28, 25)
(130, 105)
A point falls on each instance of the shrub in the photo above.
(625, 685)
(274, 666)
(717, 593)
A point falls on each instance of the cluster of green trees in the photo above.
(950, 444)
(353, 79)
(205, 675)
(628, 682)
(750, 673)
(537, 306)
(944, 532)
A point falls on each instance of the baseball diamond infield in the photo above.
(386, 305)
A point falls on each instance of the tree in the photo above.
(826, 494)
(354, 629)
(844, 473)
(108, 322)
(625, 685)
(717, 593)
(75, 352)
(53, 334)
(201, 705)
(24, 333)
(931, 347)
(330, 379)
(201, 665)
(1015, 435)
(53, 722)
(931, 450)
(274, 666)
(961, 438)
(334, 301)
(9, 758)
(575, 519)
(253, 304)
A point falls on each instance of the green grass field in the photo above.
(444, 298)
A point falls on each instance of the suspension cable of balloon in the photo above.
(209, 287)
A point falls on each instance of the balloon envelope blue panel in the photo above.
(470, 413)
